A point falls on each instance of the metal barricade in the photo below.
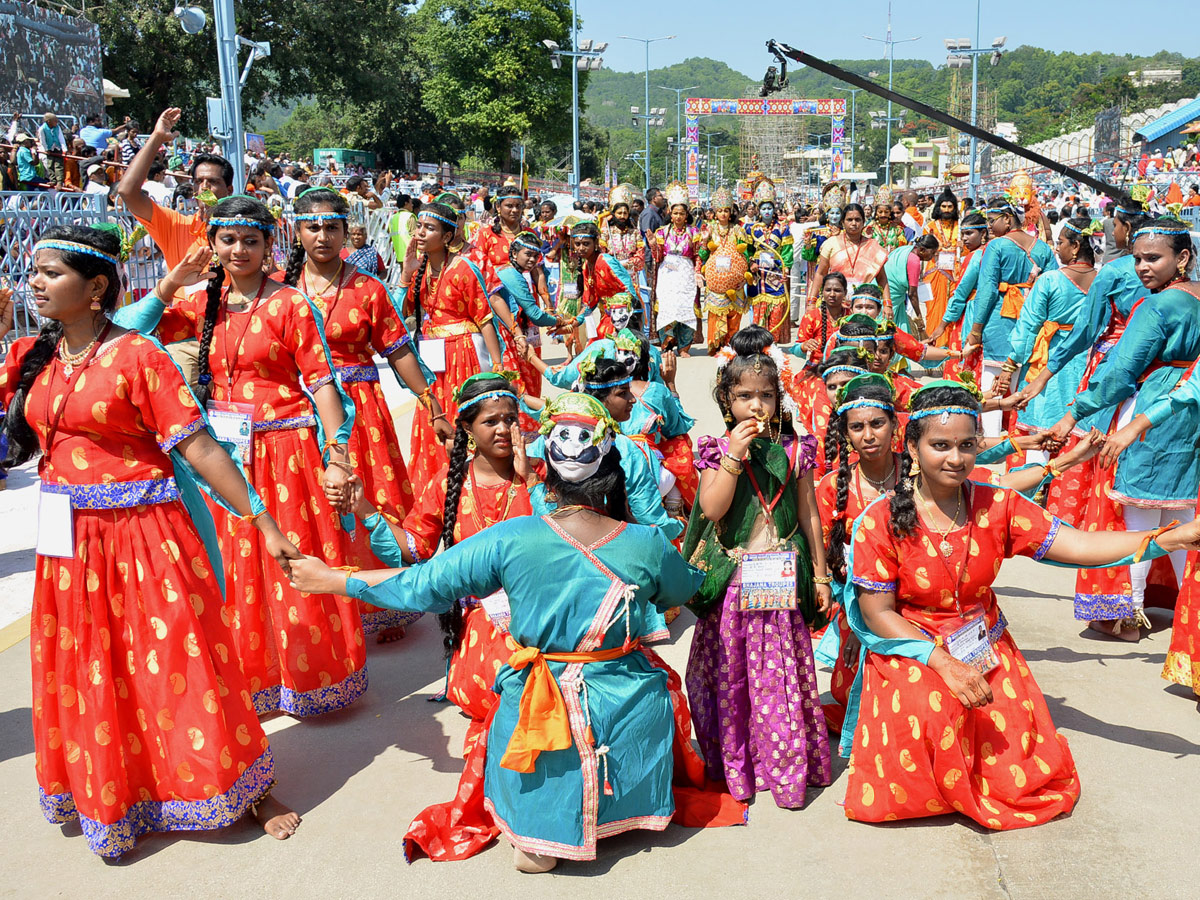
(26, 215)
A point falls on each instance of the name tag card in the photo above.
(497, 609)
(56, 525)
(233, 423)
(971, 644)
(723, 263)
(768, 581)
(433, 354)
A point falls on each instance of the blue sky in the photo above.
(736, 33)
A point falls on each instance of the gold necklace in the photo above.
(880, 486)
(71, 360)
(944, 546)
(335, 280)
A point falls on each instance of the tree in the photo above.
(487, 76)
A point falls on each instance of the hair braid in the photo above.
(903, 508)
(824, 333)
(835, 552)
(22, 440)
(211, 308)
(452, 622)
(295, 263)
(832, 450)
(418, 278)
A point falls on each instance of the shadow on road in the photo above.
(16, 732)
(1068, 717)
(13, 562)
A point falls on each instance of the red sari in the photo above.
(917, 750)
(600, 283)
(361, 321)
(142, 720)
(1182, 665)
(302, 653)
(455, 307)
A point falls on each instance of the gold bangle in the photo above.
(344, 466)
(731, 465)
(1008, 366)
(822, 579)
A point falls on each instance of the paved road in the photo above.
(358, 777)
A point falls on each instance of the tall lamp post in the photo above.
(587, 59)
(646, 116)
(708, 136)
(678, 120)
(960, 50)
(853, 92)
(225, 113)
(891, 50)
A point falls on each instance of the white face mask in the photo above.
(620, 316)
(627, 358)
(572, 453)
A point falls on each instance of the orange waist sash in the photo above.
(1040, 356)
(1014, 298)
(542, 720)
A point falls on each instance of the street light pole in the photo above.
(891, 45)
(574, 105)
(678, 118)
(853, 92)
(959, 50)
(646, 119)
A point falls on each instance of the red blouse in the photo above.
(479, 506)
(1000, 523)
(260, 356)
(600, 283)
(360, 320)
(126, 410)
(454, 303)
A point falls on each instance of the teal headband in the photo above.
(486, 395)
(945, 411)
(239, 222)
(430, 214)
(863, 402)
(1158, 229)
(76, 247)
(602, 385)
(877, 300)
(319, 217)
(972, 228)
(527, 245)
(855, 369)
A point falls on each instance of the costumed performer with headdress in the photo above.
(770, 261)
(579, 745)
(676, 248)
(724, 255)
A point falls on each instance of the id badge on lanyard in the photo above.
(233, 423)
(56, 525)
(972, 644)
(433, 354)
(768, 581)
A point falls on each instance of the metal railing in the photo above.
(26, 215)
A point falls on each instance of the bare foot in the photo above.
(533, 863)
(388, 635)
(1118, 628)
(277, 820)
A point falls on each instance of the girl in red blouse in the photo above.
(360, 321)
(457, 328)
(949, 717)
(142, 719)
(265, 368)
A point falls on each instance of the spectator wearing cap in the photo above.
(28, 176)
(158, 190)
(95, 136)
(53, 144)
(97, 181)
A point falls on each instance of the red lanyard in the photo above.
(68, 390)
(769, 508)
(231, 366)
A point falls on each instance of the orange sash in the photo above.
(542, 721)
(1041, 348)
(1014, 298)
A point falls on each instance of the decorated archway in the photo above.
(696, 107)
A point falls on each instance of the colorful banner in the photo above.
(692, 149)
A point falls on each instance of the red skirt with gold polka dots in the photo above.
(303, 654)
(919, 752)
(142, 718)
(375, 455)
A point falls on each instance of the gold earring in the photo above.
(95, 304)
(1182, 270)
(914, 470)
(471, 445)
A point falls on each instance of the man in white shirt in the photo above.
(97, 181)
(159, 192)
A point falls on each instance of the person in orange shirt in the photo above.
(176, 234)
(1193, 196)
